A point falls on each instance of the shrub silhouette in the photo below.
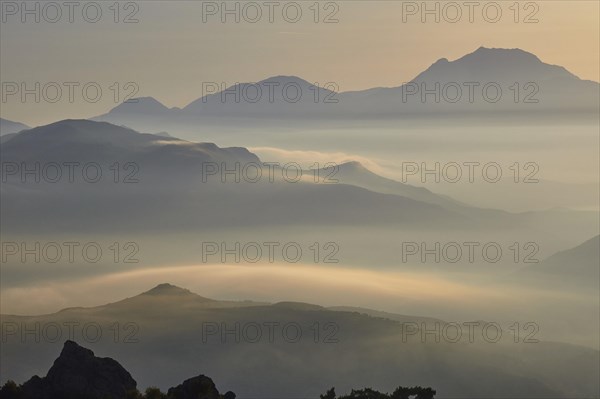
(329, 394)
(10, 390)
(154, 393)
(399, 393)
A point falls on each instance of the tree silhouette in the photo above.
(10, 390)
(329, 394)
(399, 393)
(154, 393)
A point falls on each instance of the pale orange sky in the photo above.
(171, 51)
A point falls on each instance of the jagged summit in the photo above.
(71, 348)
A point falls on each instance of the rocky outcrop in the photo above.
(200, 387)
(77, 373)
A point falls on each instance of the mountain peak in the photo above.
(494, 65)
(495, 52)
(167, 289)
(143, 105)
(352, 165)
(8, 126)
(144, 100)
(69, 128)
(71, 348)
(283, 79)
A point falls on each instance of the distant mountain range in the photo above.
(84, 141)
(199, 199)
(180, 333)
(487, 81)
(196, 198)
(9, 127)
(579, 266)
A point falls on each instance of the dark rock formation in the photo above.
(200, 387)
(229, 395)
(78, 374)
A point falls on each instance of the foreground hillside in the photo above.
(78, 374)
(179, 333)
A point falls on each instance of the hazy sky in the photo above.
(170, 51)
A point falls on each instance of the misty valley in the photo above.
(206, 220)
